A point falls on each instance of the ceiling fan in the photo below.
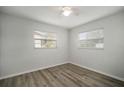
(68, 10)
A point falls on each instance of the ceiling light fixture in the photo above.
(66, 11)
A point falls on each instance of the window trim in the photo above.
(44, 39)
(92, 48)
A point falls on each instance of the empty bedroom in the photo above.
(61, 46)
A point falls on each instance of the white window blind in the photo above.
(92, 39)
(44, 39)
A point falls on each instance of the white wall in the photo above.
(0, 44)
(16, 46)
(111, 59)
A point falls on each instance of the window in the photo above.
(92, 39)
(44, 39)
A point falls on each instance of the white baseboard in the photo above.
(31, 70)
(106, 74)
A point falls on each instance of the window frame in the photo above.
(44, 39)
(79, 47)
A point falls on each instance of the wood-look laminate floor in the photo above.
(67, 75)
